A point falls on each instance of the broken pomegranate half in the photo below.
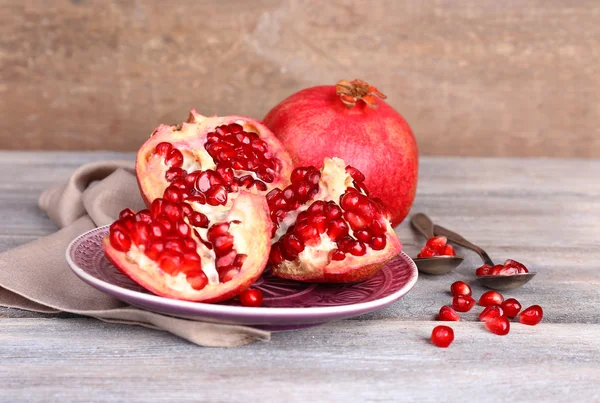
(210, 159)
(328, 228)
(178, 249)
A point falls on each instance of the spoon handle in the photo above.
(457, 239)
(423, 224)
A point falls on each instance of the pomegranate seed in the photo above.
(223, 244)
(337, 229)
(491, 311)
(427, 252)
(292, 244)
(225, 260)
(509, 263)
(363, 236)
(378, 242)
(173, 194)
(448, 314)
(217, 230)
(483, 270)
(143, 216)
(126, 213)
(140, 234)
(165, 223)
(217, 196)
(273, 194)
(498, 325)
(260, 185)
(154, 250)
(173, 173)
(463, 303)
(174, 212)
(378, 226)
(198, 280)
(496, 270)
(508, 271)
(251, 297)
(298, 174)
(511, 307)
(276, 256)
(448, 251)
(119, 240)
(198, 219)
(337, 254)
(317, 207)
(157, 231)
(307, 233)
(437, 243)
(191, 263)
(319, 222)
(366, 209)
(332, 211)
(199, 198)
(175, 245)
(442, 336)
(356, 222)
(239, 261)
(531, 316)
(156, 208)
(491, 298)
(163, 148)
(460, 288)
(349, 201)
(182, 229)
(355, 174)
(189, 245)
(170, 261)
(174, 158)
(358, 248)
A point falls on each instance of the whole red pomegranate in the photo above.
(347, 121)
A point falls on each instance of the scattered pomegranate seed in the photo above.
(492, 311)
(251, 297)
(498, 325)
(460, 288)
(483, 270)
(491, 298)
(463, 303)
(531, 316)
(448, 314)
(510, 267)
(511, 307)
(442, 336)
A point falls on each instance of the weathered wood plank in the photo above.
(475, 77)
(387, 360)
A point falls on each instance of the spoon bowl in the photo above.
(435, 264)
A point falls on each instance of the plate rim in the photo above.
(241, 311)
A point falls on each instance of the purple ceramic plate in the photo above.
(287, 304)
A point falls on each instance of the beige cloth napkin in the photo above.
(36, 276)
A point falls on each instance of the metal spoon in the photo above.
(495, 282)
(435, 264)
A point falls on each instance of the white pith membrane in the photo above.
(333, 183)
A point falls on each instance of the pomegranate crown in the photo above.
(351, 92)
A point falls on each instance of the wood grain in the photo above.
(544, 212)
(477, 77)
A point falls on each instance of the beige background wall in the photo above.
(475, 77)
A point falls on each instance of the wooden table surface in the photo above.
(543, 212)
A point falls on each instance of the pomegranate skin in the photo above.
(314, 123)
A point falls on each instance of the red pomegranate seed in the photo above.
(191, 263)
(120, 240)
(140, 234)
(183, 229)
(520, 267)
(491, 298)
(460, 288)
(356, 222)
(251, 297)
(378, 226)
(378, 242)
(226, 260)
(437, 243)
(298, 174)
(511, 307)
(363, 236)
(332, 211)
(448, 251)
(217, 230)
(156, 208)
(126, 213)
(355, 174)
(337, 229)
(157, 231)
(319, 222)
(448, 314)
(318, 207)
(170, 261)
(198, 198)
(216, 196)
(427, 252)
(173, 194)
(531, 316)
(498, 325)
(307, 233)
(155, 249)
(483, 270)
(175, 245)
(276, 257)
(260, 185)
(144, 216)
(223, 244)
(173, 173)
(174, 212)
(442, 336)
(349, 201)
(165, 223)
(198, 280)
(491, 311)
(198, 219)
(463, 303)
(189, 245)
(496, 270)
(292, 243)
(174, 158)
(163, 148)
(337, 254)
(358, 249)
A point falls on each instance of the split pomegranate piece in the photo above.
(511, 307)
(463, 303)
(498, 325)
(209, 159)
(491, 311)
(531, 316)
(460, 288)
(442, 336)
(176, 251)
(328, 227)
(251, 297)
(448, 314)
(491, 298)
(436, 246)
(510, 267)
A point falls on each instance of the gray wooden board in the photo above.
(543, 212)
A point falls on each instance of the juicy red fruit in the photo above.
(531, 316)
(460, 288)
(498, 325)
(511, 307)
(436, 246)
(463, 303)
(252, 297)
(491, 298)
(448, 314)
(442, 336)
(492, 311)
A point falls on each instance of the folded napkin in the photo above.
(36, 276)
